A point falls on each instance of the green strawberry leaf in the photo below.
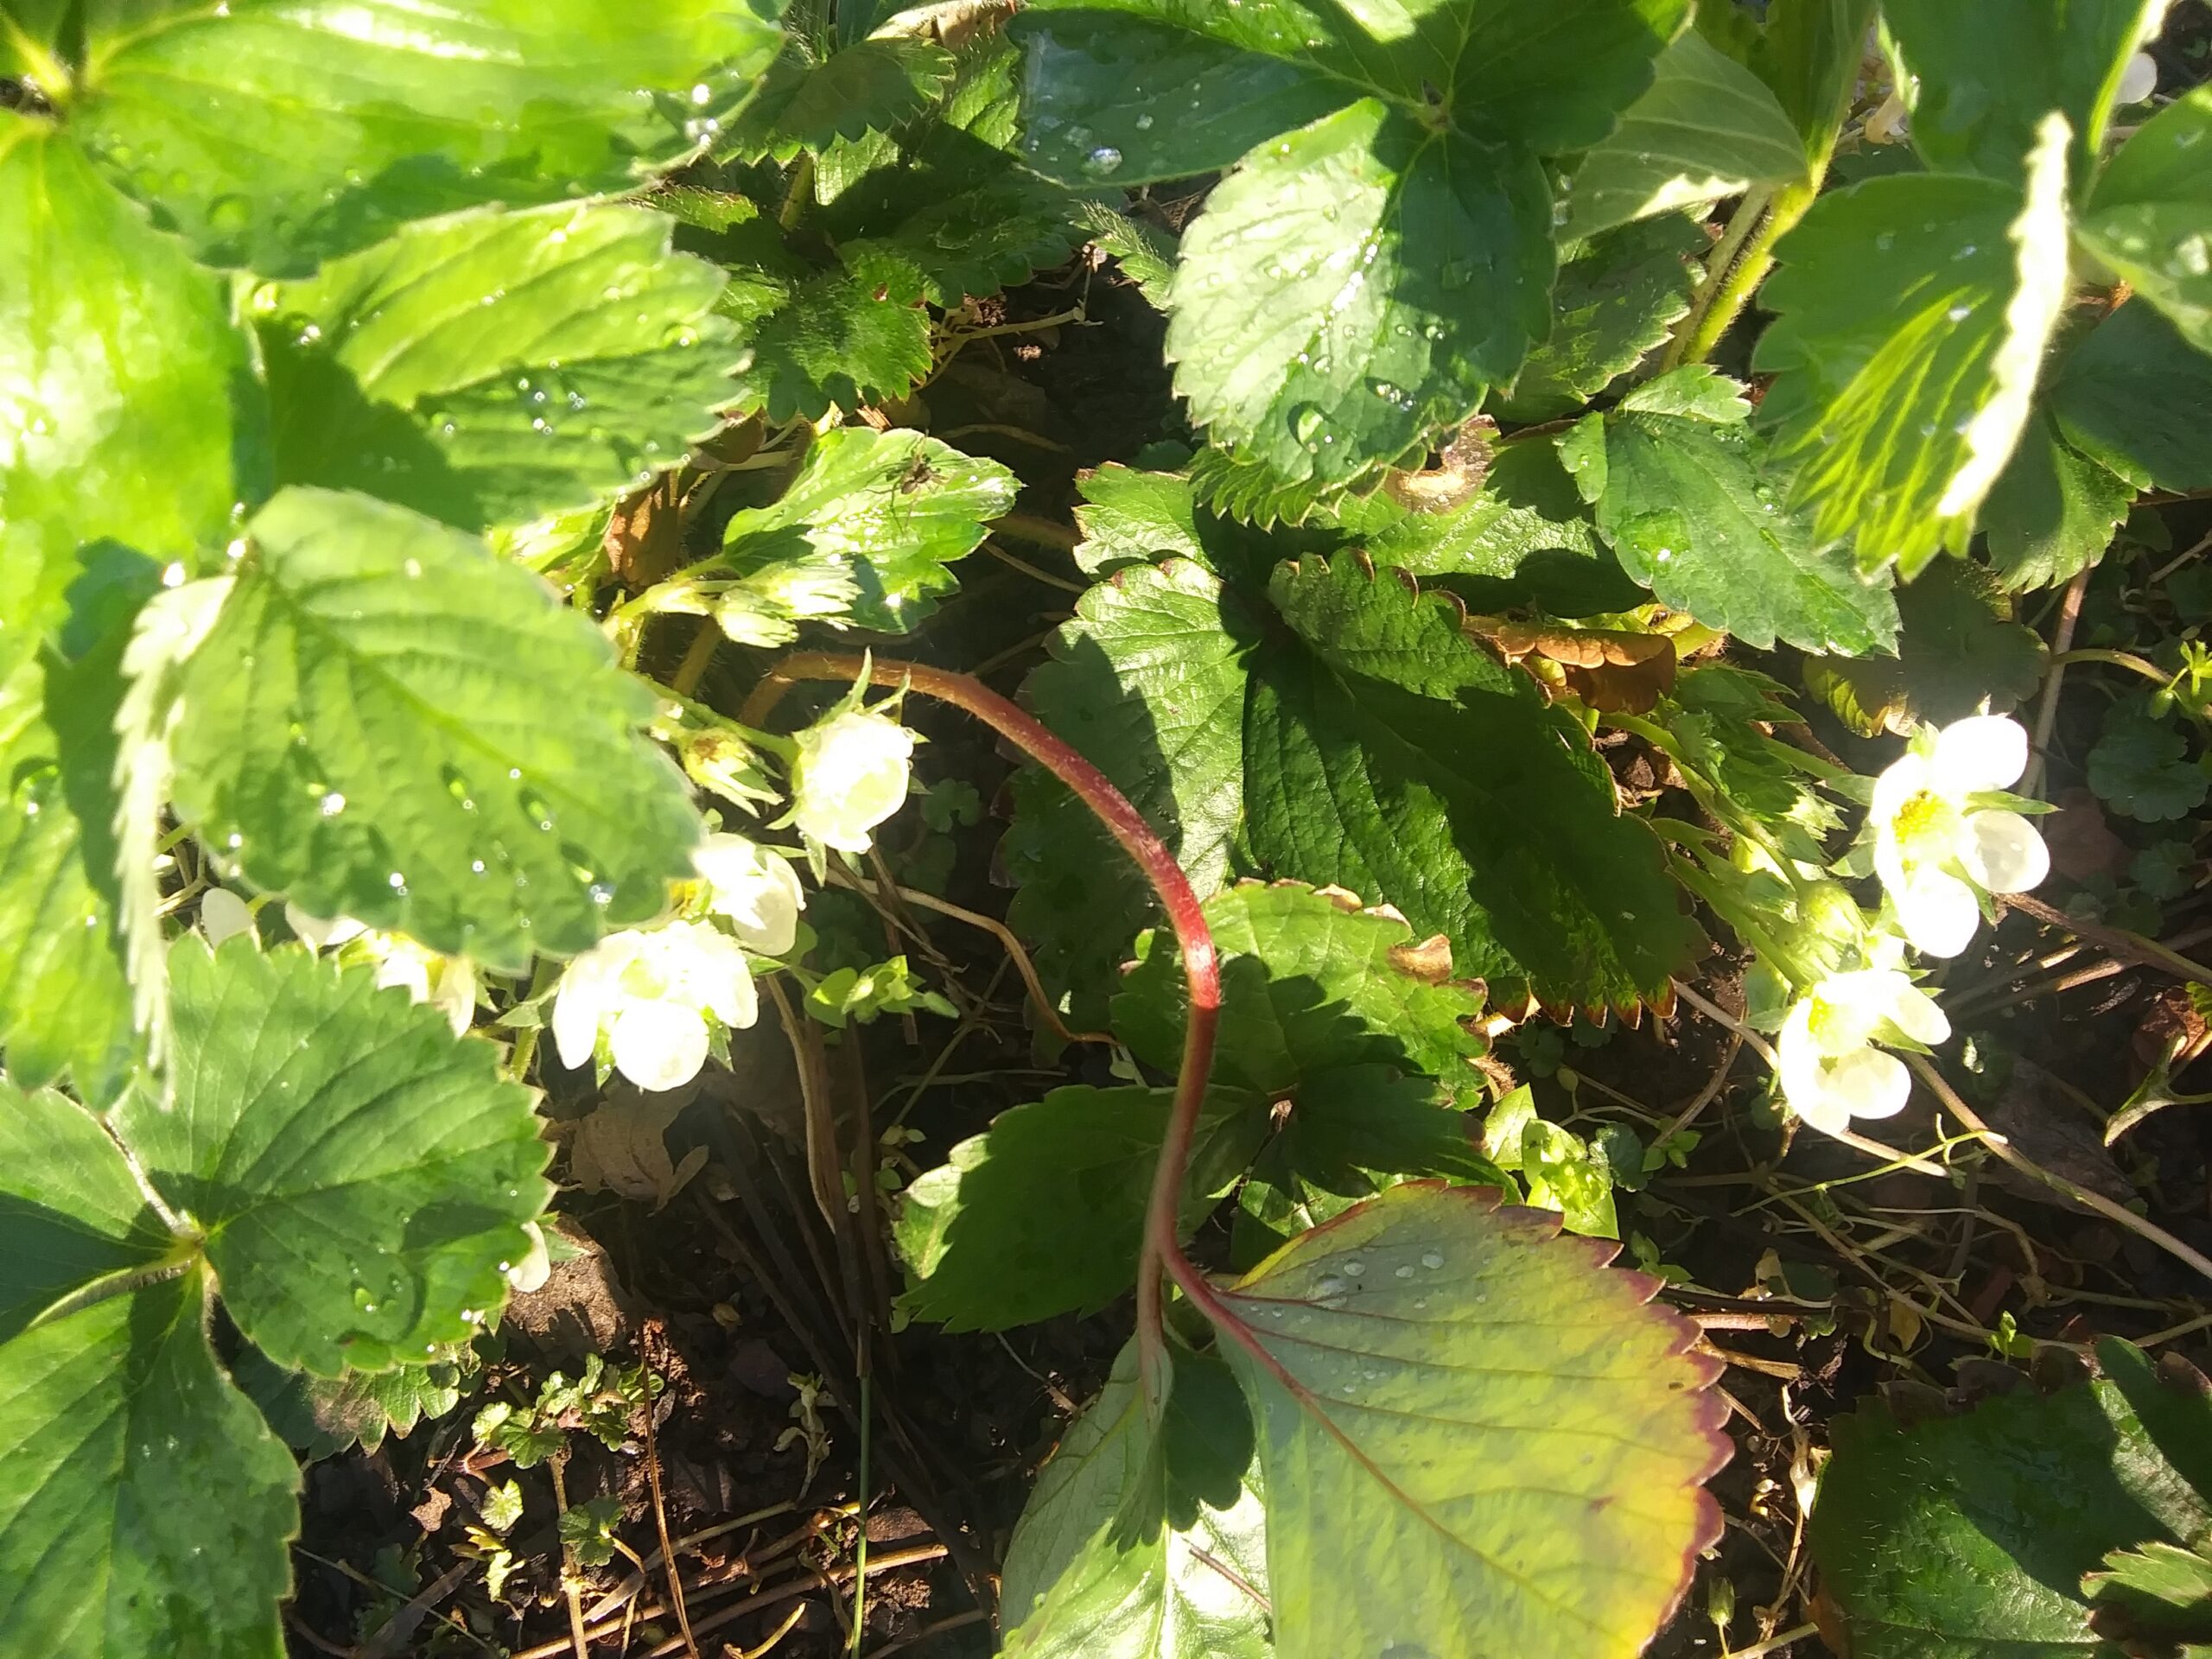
(2160, 1590)
(70, 1212)
(1691, 518)
(1912, 315)
(493, 368)
(1475, 1441)
(65, 1002)
(144, 1506)
(982, 1254)
(1525, 537)
(2053, 512)
(1707, 128)
(1983, 93)
(319, 754)
(1139, 1541)
(1337, 734)
(359, 1177)
(1350, 1132)
(1616, 298)
(1957, 644)
(1328, 313)
(320, 1417)
(2151, 217)
(129, 396)
(1097, 79)
(871, 86)
(1309, 983)
(948, 239)
(868, 529)
(2138, 765)
(1969, 1535)
(827, 339)
(1355, 741)
(2132, 398)
(1807, 52)
(231, 122)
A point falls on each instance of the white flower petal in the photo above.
(1799, 1055)
(850, 775)
(1938, 912)
(2005, 853)
(2137, 80)
(587, 993)
(456, 993)
(659, 1046)
(408, 970)
(1982, 752)
(1903, 778)
(1913, 1012)
(317, 934)
(1869, 1083)
(536, 1265)
(757, 889)
(224, 915)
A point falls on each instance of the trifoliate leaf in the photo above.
(70, 1213)
(1615, 300)
(982, 1254)
(1475, 1440)
(1309, 983)
(361, 1176)
(1690, 517)
(1130, 517)
(128, 395)
(492, 368)
(1330, 311)
(2132, 398)
(320, 751)
(1246, 486)
(2053, 513)
(2139, 766)
(829, 340)
(871, 86)
(320, 1417)
(2151, 217)
(233, 123)
(1357, 741)
(1912, 315)
(144, 1506)
(1707, 128)
(1983, 95)
(1563, 1174)
(1957, 644)
(866, 531)
(1140, 1542)
(1970, 1536)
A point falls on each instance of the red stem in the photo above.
(1163, 1246)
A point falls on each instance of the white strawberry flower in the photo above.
(1936, 849)
(1831, 1070)
(850, 774)
(224, 915)
(757, 889)
(650, 994)
(449, 984)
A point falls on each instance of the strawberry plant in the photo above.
(486, 494)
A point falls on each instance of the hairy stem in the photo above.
(1163, 1248)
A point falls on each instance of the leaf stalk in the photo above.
(1162, 1250)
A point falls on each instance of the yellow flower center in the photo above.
(1927, 827)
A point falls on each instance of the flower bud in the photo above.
(851, 774)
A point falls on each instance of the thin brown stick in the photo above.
(824, 1168)
(648, 1340)
(1014, 563)
(2005, 1149)
(1019, 956)
(2069, 613)
(1041, 532)
(959, 1621)
(2145, 953)
(570, 1588)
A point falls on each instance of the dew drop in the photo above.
(1959, 313)
(331, 804)
(1101, 161)
(1354, 1268)
(1432, 1260)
